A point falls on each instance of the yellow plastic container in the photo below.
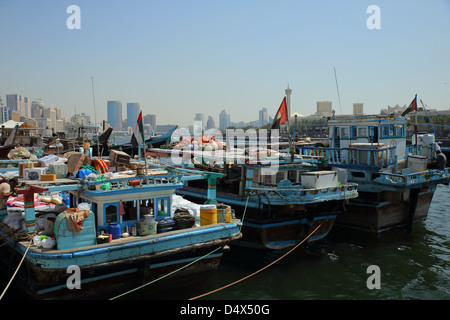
(208, 214)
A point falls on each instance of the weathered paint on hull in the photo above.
(395, 211)
(286, 227)
(106, 280)
(284, 234)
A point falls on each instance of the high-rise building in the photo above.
(114, 110)
(5, 114)
(19, 103)
(224, 120)
(263, 117)
(201, 117)
(210, 124)
(133, 109)
(37, 109)
(151, 120)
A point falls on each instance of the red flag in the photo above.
(412, 106)
(138, 134)
(281, 116)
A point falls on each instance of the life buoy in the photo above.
(100, 165)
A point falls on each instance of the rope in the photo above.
(7, 286)
(179, 269)
(254, 273)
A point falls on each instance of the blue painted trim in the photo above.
(140, 246)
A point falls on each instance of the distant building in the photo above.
(150, 119)
(201, 117)
(19, 103)
(114, 113)
(210, 124)
(37, 109)
(5, 114)
(224, 120)
(132, 113)
(358, 108)
(324, 108)
(263, 117)
(395, 110)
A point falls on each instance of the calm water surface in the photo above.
(413, 265)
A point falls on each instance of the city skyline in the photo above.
(181, 58)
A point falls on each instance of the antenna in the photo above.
(93, 99)
(337, 87)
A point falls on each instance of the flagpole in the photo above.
(415, 125)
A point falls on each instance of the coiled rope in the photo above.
(254, 273)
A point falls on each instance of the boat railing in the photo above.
(413, 178)
(415, 149)
(382, 157)
(131, 182)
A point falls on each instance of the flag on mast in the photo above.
(281, 116)
(138, 133)
(412, 106)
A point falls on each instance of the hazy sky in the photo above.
(178, 58)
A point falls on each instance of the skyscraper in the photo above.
(263, 117)
(210, 124)
(133, 109)
(224, 120)
(114, 109)
(19, 103)
(151, 120)
(200, 117)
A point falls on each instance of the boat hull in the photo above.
(393, 209)
(275, 226)
(109, 270)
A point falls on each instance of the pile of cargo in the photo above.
(75, 165)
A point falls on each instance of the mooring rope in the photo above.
(256, 272)
(181, 268)
(17, 269)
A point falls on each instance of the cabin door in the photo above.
(337, 137)
(373, 134)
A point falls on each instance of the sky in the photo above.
(182, 57)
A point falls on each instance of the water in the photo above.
(413, 265)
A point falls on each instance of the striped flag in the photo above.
(138, 133)
(281, 116)
(412, 106)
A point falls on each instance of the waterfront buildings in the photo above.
(114, 113)
(133, 109)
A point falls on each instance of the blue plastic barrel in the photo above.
(114, 230)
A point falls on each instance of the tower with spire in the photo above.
(288, 93)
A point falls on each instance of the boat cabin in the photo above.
(125, 201)
(369, 132)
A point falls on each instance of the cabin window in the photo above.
(292, 175)
(354, 132)
(130, 210)
(391, 130)
(362, 132)
(280, 176)
(385, 130)
(146, 207)
(344, 132)
(111, 213)
(162, 207)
